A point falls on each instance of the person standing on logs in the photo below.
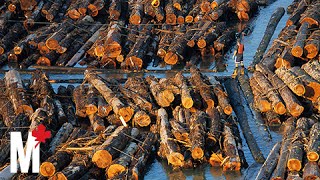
(238, 57)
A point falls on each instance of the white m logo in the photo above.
(16, 148)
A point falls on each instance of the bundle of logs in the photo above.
(110, 128)
(287, 79)
(135, 32)
(286, 87)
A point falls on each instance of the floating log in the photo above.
(16, 93)
(292, 103)
(186, 98)
(313, 144)
(312, 86)
(163, 97)
(211, 35)
(297, 49)
(311, 171)
(55, 163)
(115, 10)
(109, 150)
(223, 42)
(141, 156)
(169, 9)
(231, 151)
(235, 100)
(312, 68)
(270, 164)
(122, 163)
(289, 127)
(286, 59)
(78, 167)
(118, 107)
(272, 24)
(61, 136)
(202, 87)
(272, 95)
(137, 12)
(312, 45)
(197, 134)
(260, 102)
(169, 149)
(291, 81)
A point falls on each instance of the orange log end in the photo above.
(297, 51)
(205, 6)
(177, 6)
(313, 156)
(17, 50)
(47, 169)
(43, 61)
(188, 19)
(114, 170)
(201, 43)
(294, 165)
(176, 159)
(214, 5)
(279, 108)
(299, 89)
(171, 19)
(52, 44)
(135, 19)
(102, 158)
(59, 176)
(180, 19)
(197, 153)
(12, 7)
(171, 58)
(74, 14)
(134, 62)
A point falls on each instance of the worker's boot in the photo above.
(235, 73)
(242, 70)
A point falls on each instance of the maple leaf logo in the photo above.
(41, 134)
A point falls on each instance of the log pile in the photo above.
(66, 33)
(105, 128)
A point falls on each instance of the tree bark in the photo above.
(186, 99)
(292, 103)
(297, 49)
(109, 150)
(312, 45)
(235, 99)
(97, 123)
(55, 163)
(279, 172)
(197, 134)
(311, 171)
(295, 16)
(314, 142)
(286, 59)
(272, 95)
(169, 149)
(79, 98)
(271, 27)
(290, 79)
(16, 93)
(230, 151)
(260, 101)
(163, 97)
(104, 108)
(115, 10)
(312, 68)
(118, 107)
(311, 15)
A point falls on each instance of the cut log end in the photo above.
(161, 53)
(180, 19)
(294, 165)
(275, 122)
(188, 19)
(214, 5)
(264, 105)
(187, 102)
(205, 6)
(280, 62)
(310, 21)
(114, 170)
(134, 62)
(142, 119)
(1, 50)
(297, 51)
(135, 19)
(191, 43)
(52, 44)
(296, 110)
(171, 19)
(210, 103)
(299, 90)
(17, 50)
(312, 50)
(93, 10)
(74, 14)
(176, 159)
(12, 7)
(59, 176)
(197, 153)
(166, 98)
(177, 6)
(201, 43)
(155, 3)
(313, 156)
(171, 58)
(43, 61)
(99, 51)
(102, 158)
(126, 113)
(47, 169)
(12, 58)
(82, 10)
(228, 110)
(232, 166)
(279, 108)
(114, 14)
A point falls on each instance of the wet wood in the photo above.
(269, 165)
(118, 107)
(272, 24)
(297, 49)
(292, 103)
(169, 149)
(55, 163)
(109, 150)
(291, 80)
